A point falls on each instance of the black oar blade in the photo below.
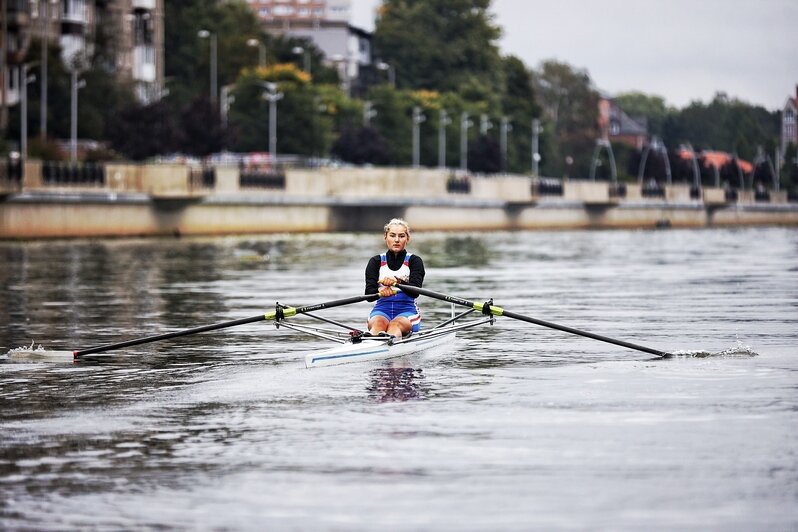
(498, 311)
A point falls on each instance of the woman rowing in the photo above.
(394, 314)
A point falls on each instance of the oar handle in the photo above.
(487, 308)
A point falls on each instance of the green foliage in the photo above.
(571, 102)
(653, 108)
(143, 131)
(442, 45)
(724, 124)
(361, 145)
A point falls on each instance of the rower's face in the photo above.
(396, 238)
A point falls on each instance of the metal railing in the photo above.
(68, 174)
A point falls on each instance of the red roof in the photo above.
(717, 159)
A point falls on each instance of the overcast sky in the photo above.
(682, 50)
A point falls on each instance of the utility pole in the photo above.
(3, 78)
(536, 131)
(418, 118)
(505, 127)
(443, 121)
(465, 123)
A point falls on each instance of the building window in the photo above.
(789, 116)
(615, 128)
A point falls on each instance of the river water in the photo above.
(512, 427)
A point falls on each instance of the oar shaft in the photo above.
(166, 336)
(283, 312)
(498, 311)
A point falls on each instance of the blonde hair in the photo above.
(396, 221)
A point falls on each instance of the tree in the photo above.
(439, 45)
(202, 128)
(571, 102)
(651, 107)
(361, 145)
(724, 124)
(484, 155)
(143, 131)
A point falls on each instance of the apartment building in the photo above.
(326, 24)
(133, 30)
(789, 127)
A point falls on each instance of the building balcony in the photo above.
(144, 4)
(18, 12)
(144, 63)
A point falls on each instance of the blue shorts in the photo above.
(412, 315)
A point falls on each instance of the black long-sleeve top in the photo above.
(394, 262)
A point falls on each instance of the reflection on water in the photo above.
(392, 384)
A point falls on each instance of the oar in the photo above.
(277, 314)
(486, 308)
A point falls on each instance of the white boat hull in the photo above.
(368, 350)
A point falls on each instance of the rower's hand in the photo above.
(386, 291)
(388, 281)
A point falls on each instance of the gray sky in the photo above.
(682, 50)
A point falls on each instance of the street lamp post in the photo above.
(205, 34)
(505, 127)
(484, 124)
(342, 63)
(73, 142)
(382, 65)
(298, 50)
(536, 131)
(368, 113)
(227, 100)
(418, 118)
(23, 115)
(443, 121)
(272, 96)
(465, 123)
(45, 17)
(261, 50)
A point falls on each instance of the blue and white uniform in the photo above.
(399, 304)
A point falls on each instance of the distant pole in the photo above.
(418, 118)
(505, 127)
(3, 79)
(443, 121)
(73, 142)
(23, 115)
(536, 131)
(465, 123)
(205, 34)
(368, 113)
(261, 50)
(273, 97)
(45, 14)
(382, 65)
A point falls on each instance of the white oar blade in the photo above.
(41, 355)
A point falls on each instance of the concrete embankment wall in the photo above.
(143, 200)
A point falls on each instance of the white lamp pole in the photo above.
(23, 115)
(205, 34)
(261, 50)
(382, 65)
(73, 143)
(418, 118)
(443, 121)
(536, 131)
(465, 123)
(298, 50)
(272, 96)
